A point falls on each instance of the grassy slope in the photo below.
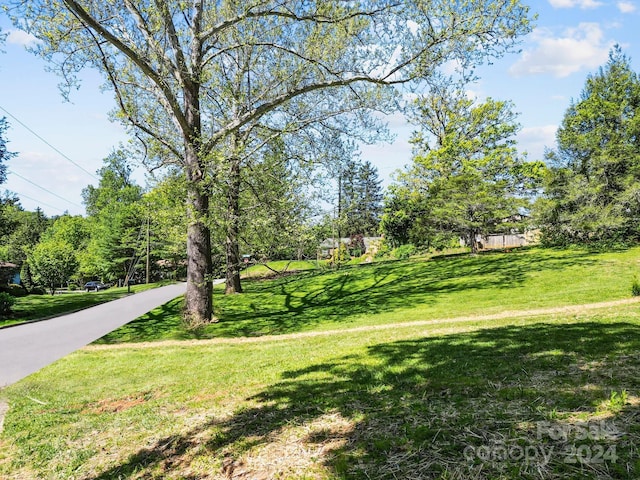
(280, 266)
(399, 291)
(412, 402)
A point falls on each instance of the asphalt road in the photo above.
(25, 349)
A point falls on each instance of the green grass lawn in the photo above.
(440, 402)
(402, 291)
(523, 397)
(274, 268)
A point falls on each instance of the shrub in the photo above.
(340, 255)
(6, 302)
(14, 290)
(381, 249)
(635, 287)
(404, 251)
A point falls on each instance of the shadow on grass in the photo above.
(162, 323)
(304, 301)
(425, 409)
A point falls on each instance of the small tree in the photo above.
(53, 262)
(25, 276)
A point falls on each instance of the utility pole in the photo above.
(339, 206)
(148, 249)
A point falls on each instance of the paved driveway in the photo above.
(25, 349)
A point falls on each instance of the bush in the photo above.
(404, 251)
(6, 302)
(381, 249)
(635, 287)
(14, 290)
(340, 255)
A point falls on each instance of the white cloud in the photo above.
(583, 4)
(534, 140)
(626, 7)
(20, 37)
(575, 49)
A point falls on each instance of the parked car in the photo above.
(96, 286)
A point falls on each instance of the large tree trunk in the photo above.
(199, 295)
(198, 299)
(232, 247)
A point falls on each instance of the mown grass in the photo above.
(544, 397)
(35, 307)
(402, 291)
(281, 267)
(405, 403)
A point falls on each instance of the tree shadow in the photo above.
(162, 323)
(301, 302)
(427, 408)
(313, 298)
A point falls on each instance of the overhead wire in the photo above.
(47, 143)
(39, 202)
(11, 172)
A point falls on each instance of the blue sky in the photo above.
(571, 39)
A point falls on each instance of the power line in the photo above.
(44, 189)
(38, 201)
(48, 144)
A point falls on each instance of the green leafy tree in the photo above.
(193, 79)
(68, 229)
(593, 191)
(8, 222)
(26, 278)
(53, 262)
(5, 155)
(404, 219)
(71, 229)
(117, 222)
(27, 228)
(466, 165)
(164, 204)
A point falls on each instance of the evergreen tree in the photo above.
(369, 206)
(593, 191)
(360, 199)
